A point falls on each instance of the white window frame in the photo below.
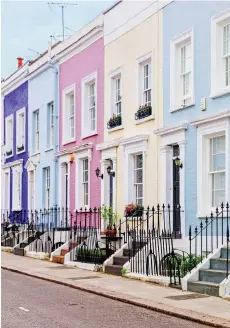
(17, 192)
(177, 100)
(20, 140)
(6, 196)
(87, 154)
(50, 127)
(11, 146)
(204, 187)
(141, 62)
(113, 76)
(218, 87)
(133, 147)
(36, 131)
(85, 110)
(135, 184)
(47, 187)
(66, 137)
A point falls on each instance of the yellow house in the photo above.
(132, 79)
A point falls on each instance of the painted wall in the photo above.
(42, 92)
(122, 50)
(196, 15)
(72, 71)
(14, 101)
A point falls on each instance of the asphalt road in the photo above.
(32, 303)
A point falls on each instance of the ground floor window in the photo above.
(138, 179)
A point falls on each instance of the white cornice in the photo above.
(171, 129)
(134, 139)
(75, 149)
(11, 164)
(15, 80)
(223, 114)
(108, 144)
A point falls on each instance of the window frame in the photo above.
(50, 125)
(141, 63)
(181, 101)
(18, 114)
(135, 184)
(113, 76)
(218, 87)
(7, 119)
(204, 133)
(66, 136)
(47, 187)
(85, 108)
(17, 192)
(36, 147)
(84, 183)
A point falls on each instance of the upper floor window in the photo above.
(50, 126)
(181, 71)
(115, 101)
(89, 105)
(20, 130)
(226, 53)
(9, 135)
(147, 84)
(220, 54)
(69, 115)
(36, 130)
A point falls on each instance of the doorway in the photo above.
(176, 194)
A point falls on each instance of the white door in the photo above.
(31, 191)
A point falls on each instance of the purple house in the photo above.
(14, 175)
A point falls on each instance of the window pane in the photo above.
(226, 40)
(219, 180)
(139, 161)
(218, 197)
(227, 70)
(218, 162)
(218, 145)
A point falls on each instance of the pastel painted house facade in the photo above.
(42, 165)
(15, 153)
(81, 117)
(133, 65)
(196, 115)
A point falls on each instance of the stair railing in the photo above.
(210, 236)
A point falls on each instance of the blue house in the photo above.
(42, 164)
(195, 137)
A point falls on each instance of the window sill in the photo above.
(67, 142)
(48, 149)
(220, 93)
(182, 108)
(117, 128)
(16, 209)
(20, 152)
(9, 156)
(35, 154)
(89, 135)
(146, 119)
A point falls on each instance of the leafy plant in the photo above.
(189, 262)
(108, 215)
(123, 271)
(132, 209)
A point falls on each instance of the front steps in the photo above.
(20, 250)
(210, 279)
(60, 258)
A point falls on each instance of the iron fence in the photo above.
(212, 233)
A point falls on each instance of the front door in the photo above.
(111, 187)
(31, 191)
(176, 194)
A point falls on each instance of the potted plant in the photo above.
(110, 218)
(114, 121)
(134, 210)
(143, 111)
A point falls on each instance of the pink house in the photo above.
(81, 74)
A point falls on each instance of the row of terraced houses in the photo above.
(139, 96)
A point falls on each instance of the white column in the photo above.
(182, 186)
(114, 160)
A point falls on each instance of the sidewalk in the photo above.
(208, 310)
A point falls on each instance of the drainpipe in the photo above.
(55, 160)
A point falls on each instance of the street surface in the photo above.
(32, 303)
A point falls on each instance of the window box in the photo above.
(9, 153)
(134, 210)
(143, 111)
(114, 121)
(20, 148)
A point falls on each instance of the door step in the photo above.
(204, 287)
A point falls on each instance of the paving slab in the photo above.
(208, 310)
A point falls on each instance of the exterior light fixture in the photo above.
(178, 163)
(110, 172)
(71, 158)
(98, 173)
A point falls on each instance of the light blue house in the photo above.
(42, 165)
(196, 110)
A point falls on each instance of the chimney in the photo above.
(20, 62)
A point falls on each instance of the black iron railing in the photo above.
(212, 233)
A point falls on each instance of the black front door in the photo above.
(176, 196)
(111, 190)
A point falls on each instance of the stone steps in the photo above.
(203, 287)
(114, 269)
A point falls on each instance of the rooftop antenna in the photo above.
(62, 5)
(37, 53)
